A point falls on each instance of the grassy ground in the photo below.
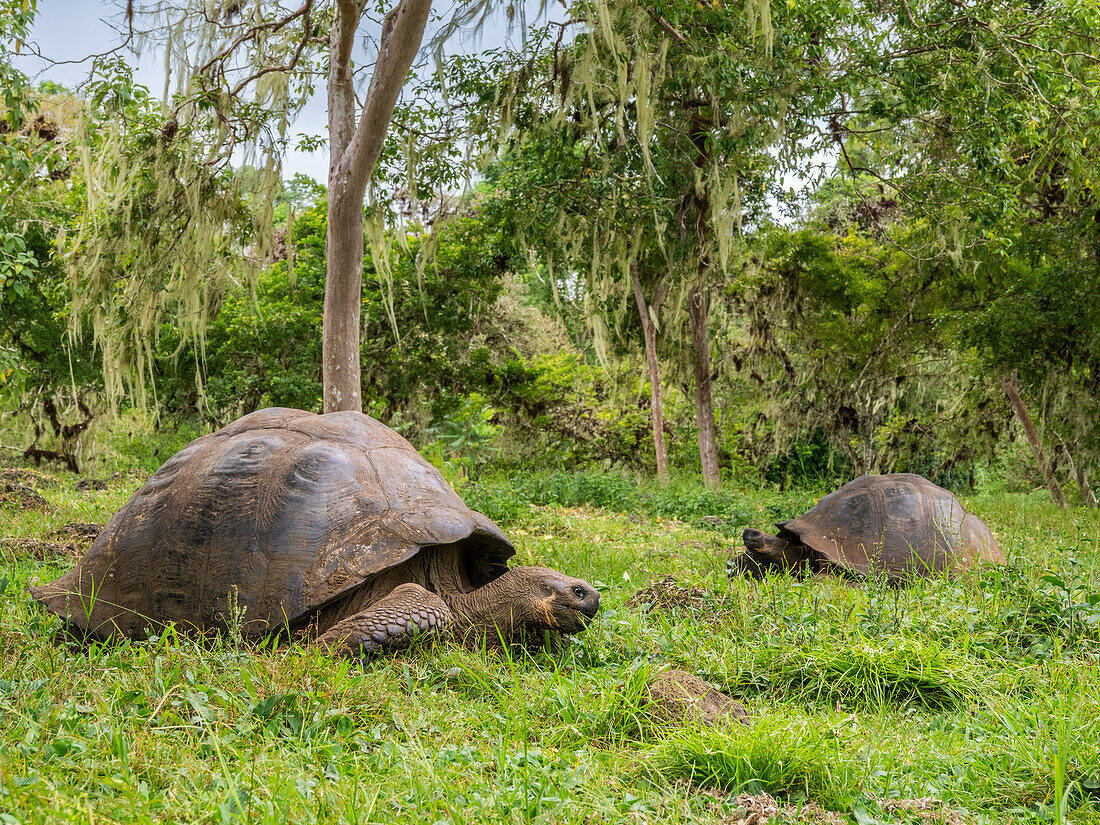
(983, 694)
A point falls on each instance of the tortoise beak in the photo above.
(747, 563)
(568, 604)
(585, 610)
(590, 607)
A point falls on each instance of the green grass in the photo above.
(983, 692)
(790, 755)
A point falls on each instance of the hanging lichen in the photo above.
(378, 242)
(657, 133)
(180, 193)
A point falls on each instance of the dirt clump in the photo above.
(19, 487)
(668, 594)
(25, 476)
(927, 808)
(79, 532)
(677, 696)
(761, 809)
(69, 541)
(85, 485)
(21, 495)
(39, 548)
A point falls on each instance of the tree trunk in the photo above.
(649, 333)
(1012, 390)
(698, 306)
(1088, 497)
(343, 301)
(353, 154)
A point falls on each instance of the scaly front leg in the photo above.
(408, 612)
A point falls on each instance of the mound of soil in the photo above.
(27, 477)
(668, 594)
(764, 808)
(39, 549)
(928, 809)
(67, 542)
(19, 487)
(677, 696)
(84, 485)
(21, 495)
(79, 532)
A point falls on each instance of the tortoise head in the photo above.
(765, 553)
(528, 601)
(562, 603)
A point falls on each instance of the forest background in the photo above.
(783, 245)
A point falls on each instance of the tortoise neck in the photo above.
(494, 608)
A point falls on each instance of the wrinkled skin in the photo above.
(572, 603)
(524, 601)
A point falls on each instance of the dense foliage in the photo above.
(944, 243)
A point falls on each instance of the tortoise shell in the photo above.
(898, 525)
(284, 509)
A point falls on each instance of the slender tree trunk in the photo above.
(343, 300)
(649, 332)
(1088, 497)
(1012, 390)
(698, 307)
(353, 152)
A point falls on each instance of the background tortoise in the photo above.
(329, 520)
(896, 525)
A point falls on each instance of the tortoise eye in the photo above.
(579, 592)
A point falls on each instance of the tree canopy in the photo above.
(802, 238)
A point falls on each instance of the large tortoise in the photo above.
(898, 525)
(286, 519)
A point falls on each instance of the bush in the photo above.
(896, 672)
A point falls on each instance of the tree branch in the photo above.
(252, 32)
(341, 90)
(294, 58)
(668, 27)
(402, 33)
